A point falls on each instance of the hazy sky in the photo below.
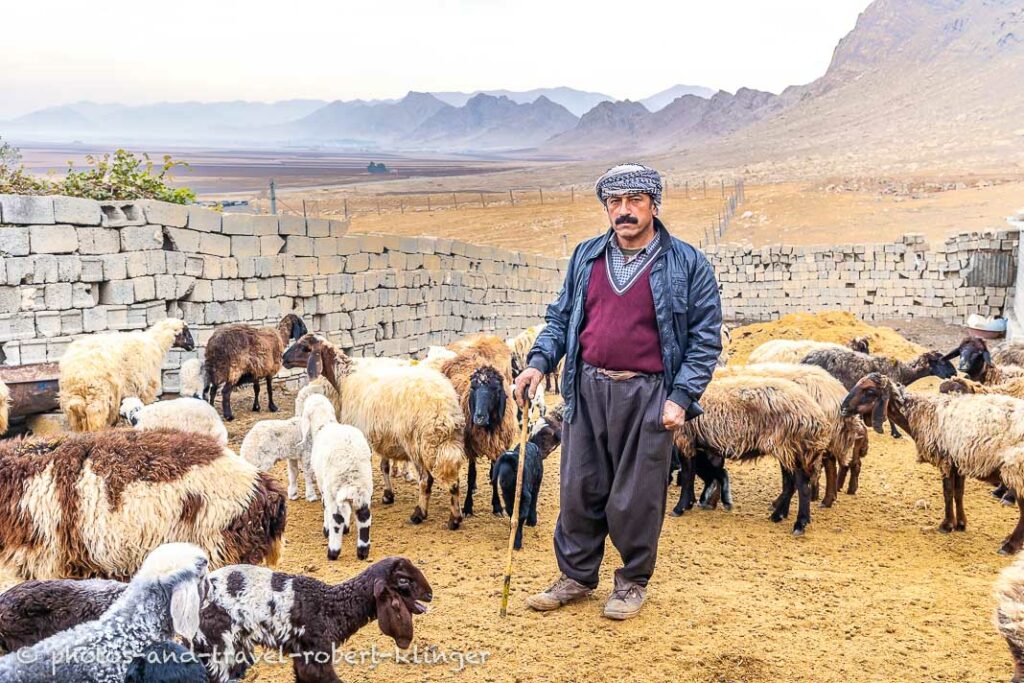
(138, 52)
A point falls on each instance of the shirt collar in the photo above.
(649, 248)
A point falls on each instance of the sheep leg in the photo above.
(334, 523)
(860, 449)
(785, 482)
(802, 483)
(346, 516)
(841, 476)
(389, 492)
(709, 497)
(958, 498)
(467, 508)
(830, 482)
(455, 518)
(225, 401)
(726, 489)
(686, 473)
(496, 508)
(256, 396)
(293, 480)
(271, 406)
(1012, 545)
(815, 483)
(947, 496)
(212, 388)
(310, 485)
(518, 543)
(1009, 498)
(306, 670)
(426, 484)
(363, 527)
(781, 510)
(1000, 491)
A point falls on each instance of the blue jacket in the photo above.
(686, 305)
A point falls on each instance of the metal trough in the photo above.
(34, 388)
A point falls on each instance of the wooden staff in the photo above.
(514, 521)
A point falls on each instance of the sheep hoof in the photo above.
(798, 531)
(313, 498)
(362, 553)
(417, 516)
(676, 512)
(826, 503)
(454, 523)
(727, 507)
(388, 498)
(272, 408)
(498, 513)
(777, 517)
(945, 528)
(229, 418)
(293, 496)
(960, 526)
(255, 408)
(332, 555)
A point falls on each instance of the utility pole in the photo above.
(273, 197)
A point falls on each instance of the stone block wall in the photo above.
(968, 273)
(72, 266)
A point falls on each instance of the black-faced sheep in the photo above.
(250, 607)
(490, 418)
(93, 505)
(162, 601)
(546, 437)
(341, 459)
(963, 436)
(976, 363)
(184, 414)
(711, 471)
(98, 371)
(239, 353)
(746, 419)
(407, 412)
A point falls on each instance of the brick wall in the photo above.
(76, 266)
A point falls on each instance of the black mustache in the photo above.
(626, 219)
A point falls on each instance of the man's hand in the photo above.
(673, 416)
(530, 377)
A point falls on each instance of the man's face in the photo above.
(631, 215)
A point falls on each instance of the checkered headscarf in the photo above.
(629, 179)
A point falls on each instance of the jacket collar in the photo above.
(598, 246)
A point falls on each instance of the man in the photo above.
(638, 321)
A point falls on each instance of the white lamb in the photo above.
(183, 414)
(341, 461)
(272, 440)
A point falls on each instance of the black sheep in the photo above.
(711, 471)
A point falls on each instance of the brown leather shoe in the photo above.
(625, 601)
(561, 592)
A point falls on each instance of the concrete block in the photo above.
(204, 220)
(117, 292)
(271, 245)
(71, 322)
(245, 245)
(318, 227)
(182, 239)
(13, 241)
(10, 300)
(24, 210)
(33, 351)
(297, 245)
(92, 269)
(58, 296)
(212, 267)
(214, 244)
(76, 211)
(118, 214)
(98, 240)
(237, 224)
(165, 213)
(53, 239)
(292, 225)
(84, 295)
(48, 324)
(357, 263)
(338, 228)
(264, 225)
(142, 237)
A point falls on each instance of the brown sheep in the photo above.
(243, 353)
(976, 363)
(93, 504)
(490, 347)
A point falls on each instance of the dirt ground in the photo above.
(871, 593)
(786, 213)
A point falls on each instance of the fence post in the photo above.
(687, 186)
(723, 187)
(346, 207)
(455, 201)
(541, 190)
(401, 206)
(705, 183)
(378, 206)
(565, 244)
(572, 195)
(483, 204)
(511, 198)
(428, 202)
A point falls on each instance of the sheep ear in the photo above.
(393, 616)
(185, 602)
(988, 357)
(952, 354)
(314, 365)
(304, 425)
(502, 401)
(327, 363)
(878, 417)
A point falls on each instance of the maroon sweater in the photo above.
(620, 332)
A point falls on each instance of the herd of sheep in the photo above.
(154, 503)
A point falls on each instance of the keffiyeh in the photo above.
(629, 179)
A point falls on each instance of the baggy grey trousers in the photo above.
(616, 456)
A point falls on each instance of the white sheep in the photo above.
(341, 459)
(408, 413)
(272, 440)
(184, 414)
(1009, 613)
(5, 400)
(190, 379)
(99, 370)
(788, 350)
